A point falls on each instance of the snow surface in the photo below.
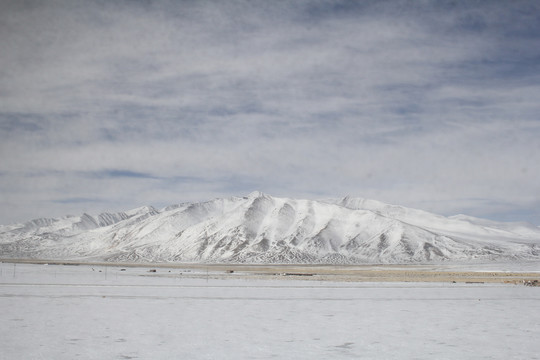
(80, 312)
(263, 229)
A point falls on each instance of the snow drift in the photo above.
(264, 229)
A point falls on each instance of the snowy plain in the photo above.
(96, 312)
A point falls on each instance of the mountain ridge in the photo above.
(259, 228)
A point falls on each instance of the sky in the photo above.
(112, 105)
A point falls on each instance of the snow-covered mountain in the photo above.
(264, 229)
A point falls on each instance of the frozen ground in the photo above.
(85, 312)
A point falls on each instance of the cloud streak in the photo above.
(426, 104)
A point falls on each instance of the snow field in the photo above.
(85, 312)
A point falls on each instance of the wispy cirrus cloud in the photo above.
(427, 104)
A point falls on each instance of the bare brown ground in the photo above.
(348, 273)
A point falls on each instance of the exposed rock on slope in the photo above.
(263, 229)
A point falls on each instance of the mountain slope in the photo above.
(263, 229)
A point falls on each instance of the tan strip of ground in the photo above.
(376, 274)
(349, 273)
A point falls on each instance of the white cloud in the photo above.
(422, 105)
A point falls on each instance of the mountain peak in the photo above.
(257, 194)
(142, 210)
(263, 229)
